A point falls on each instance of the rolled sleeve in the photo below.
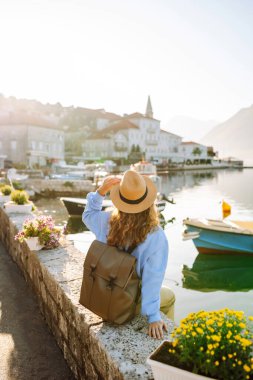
(93, 216)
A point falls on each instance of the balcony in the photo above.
(120, 148)
(151, 141)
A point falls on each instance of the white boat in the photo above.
(220, 236)
(13, 175)
(144, 167)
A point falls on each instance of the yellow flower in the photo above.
(201, 348)
(216, 363)
(250, 318)
(246, 368)
(230, 356)
(242, 325)
(199, 330)
(194, 333)
(216, 338)
(210, 346)
(223, 358)
(245, 342)
(210, 322)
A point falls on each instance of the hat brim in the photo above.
(134, 208)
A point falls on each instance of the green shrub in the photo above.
(68, 184)
(17, 185)
(6, 190)
(20, 197)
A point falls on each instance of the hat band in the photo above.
(135, 201)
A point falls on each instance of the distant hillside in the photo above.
(71, 119)
(234, 137)
(189, 128)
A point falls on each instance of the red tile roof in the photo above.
(170, 133)
(190, 143)
(27, 119)
(138, 115)
(114, 128)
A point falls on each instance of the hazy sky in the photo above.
(194, 57)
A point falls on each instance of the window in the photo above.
(13, 144)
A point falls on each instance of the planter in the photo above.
(4, 198)
(33, 243)
(162, 371)
(12, 207)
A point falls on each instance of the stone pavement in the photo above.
(27, 349)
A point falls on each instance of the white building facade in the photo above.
(31, 144)
(190, 150)
(135, 131)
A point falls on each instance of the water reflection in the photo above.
(210, 273)
(176, 181)
(75, 225)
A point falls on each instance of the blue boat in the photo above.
(219, 236)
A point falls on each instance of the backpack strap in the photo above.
(91, 263)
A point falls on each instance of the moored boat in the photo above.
(219, 236)
(75, 206)
(144, 168)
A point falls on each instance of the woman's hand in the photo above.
(155, 329)
(108, 183)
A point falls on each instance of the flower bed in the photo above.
(216, 344)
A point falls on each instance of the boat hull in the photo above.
(76, 206)
(211, 241)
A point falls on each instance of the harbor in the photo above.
(196, 194)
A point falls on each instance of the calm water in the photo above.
(199, 281)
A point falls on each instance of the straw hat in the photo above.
(135, 193)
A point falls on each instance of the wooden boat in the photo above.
(75, 206)
(220, 236)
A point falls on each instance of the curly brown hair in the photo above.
(129, 230)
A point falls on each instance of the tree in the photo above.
(197, 151)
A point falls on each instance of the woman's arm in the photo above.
(152, 278)
(95, 219)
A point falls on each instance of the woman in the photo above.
(134, 226)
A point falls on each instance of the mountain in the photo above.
(234, 137)
(189, 128)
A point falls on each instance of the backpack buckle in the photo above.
(92, 270)
(111, 282)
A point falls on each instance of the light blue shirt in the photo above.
(151, 255)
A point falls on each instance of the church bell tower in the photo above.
(149, 111)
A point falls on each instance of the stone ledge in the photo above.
(92, 348)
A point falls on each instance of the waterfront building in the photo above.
(116, 139)
(31, 144)
(190, 150)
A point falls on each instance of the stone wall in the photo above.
(58, 187)
(93, 349)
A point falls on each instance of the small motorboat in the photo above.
(220, 236)
(144, 167)
(75, 206)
